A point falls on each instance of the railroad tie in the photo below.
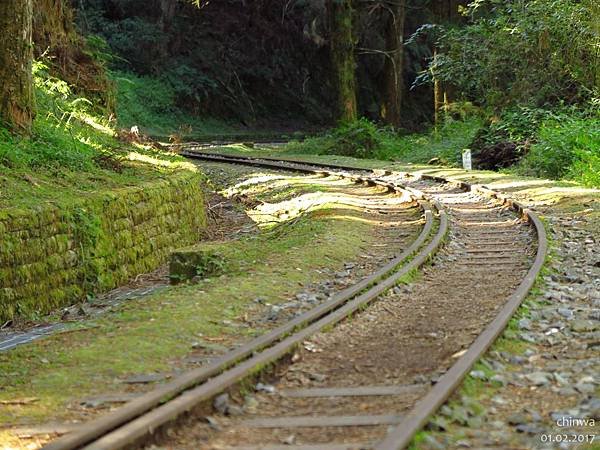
(322, 421)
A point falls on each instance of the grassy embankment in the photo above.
(73, 152)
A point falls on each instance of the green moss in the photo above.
(102, 257)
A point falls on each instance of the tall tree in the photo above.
(394, 63)
(16, 55)
(342, 56)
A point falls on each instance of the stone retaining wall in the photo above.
(54, 256)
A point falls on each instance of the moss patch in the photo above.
(52, 256)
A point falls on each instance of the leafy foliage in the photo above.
(57, 139)
(151, 103)
(534, 52)
(568, 147)
(240, 62)
(363, 139)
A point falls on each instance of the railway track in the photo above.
(380, 375)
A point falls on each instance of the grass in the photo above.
(363, 139)
(73, 152)
(150, 104)
(567, 148)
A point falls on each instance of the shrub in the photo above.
(567, 148)
(363, 139)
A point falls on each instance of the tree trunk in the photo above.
(437, 94)
(394, 64)
(167, 13)
(342, 57)
(16, 55)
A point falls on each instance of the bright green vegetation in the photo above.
(363, 139)
(73, 152)
(150, 334)
(525, 80)
(554, 145)
(567, 147)
(151, 104)
(83, 211)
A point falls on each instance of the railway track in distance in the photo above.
(487, 240)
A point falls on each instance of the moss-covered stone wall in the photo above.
(53, 256)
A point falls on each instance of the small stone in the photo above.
(565, 312)
(567, 391)
(499, 400)
(221, 403)
(538, 378)
(517, 360)
(460, 415)
(433, 443)
(517, 419)
(234, 410)
(529, 428)
(463, 443)
(474, 422)
(438, 424)
(585, 388)
(290, 440)
(319, 377)
(524, 324)
(212, 423)
(560, 379)
(250, 403)
(535, 416)
(498, 424)
(478, 374)
(527, 337)
(581, 326)
(446, 411)
(499, 379)
(260, 387)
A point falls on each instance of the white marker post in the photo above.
(466, 159)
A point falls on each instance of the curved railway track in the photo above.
(384, 405)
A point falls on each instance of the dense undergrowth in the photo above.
(364, 139)
(151, 104)
(558, 145)
(74, 150)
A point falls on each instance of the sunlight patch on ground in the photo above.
(268, 213)
(134, 156)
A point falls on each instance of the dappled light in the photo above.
(154, 161)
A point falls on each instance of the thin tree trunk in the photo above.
(394, 64)
(167, 13)
(16, 55)
(342, 57)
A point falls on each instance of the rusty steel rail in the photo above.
(142, 416)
